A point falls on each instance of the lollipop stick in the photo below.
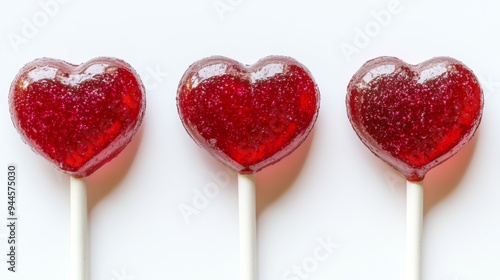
(414, 218)
(248, 238)
(78, 229)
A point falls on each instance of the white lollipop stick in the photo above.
(78, 229)
(248, 222)
(414, 220)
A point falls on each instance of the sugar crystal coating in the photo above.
(78, 117)
(414, 117)
(248, 117)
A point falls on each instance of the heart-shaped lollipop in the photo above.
(248, 117)
(414, 117)
(78, 117)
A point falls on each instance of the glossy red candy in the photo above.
(248, 117)
(414, 117)
(78, 117)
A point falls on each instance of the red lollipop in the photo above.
(414, 117)
(248, 117)
(78, 118)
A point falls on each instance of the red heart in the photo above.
(78, 117)
(414, 117)
(248, 117)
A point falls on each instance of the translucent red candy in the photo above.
(248, 117)
(414, 117)
(78, 117)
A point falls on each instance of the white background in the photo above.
(332, 187)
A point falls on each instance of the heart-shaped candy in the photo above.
(414, 117)
(248, 117)
(78, 117)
